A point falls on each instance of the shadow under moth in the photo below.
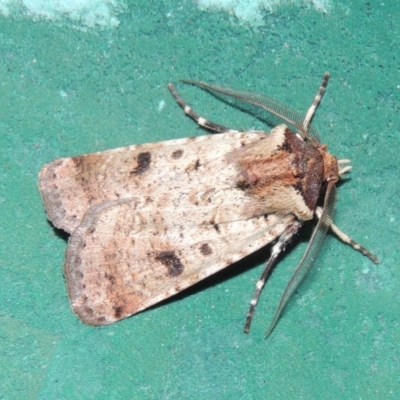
(149, 220)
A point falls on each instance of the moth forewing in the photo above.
(147, 221)
(70, 186)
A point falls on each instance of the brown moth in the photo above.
(147, 221)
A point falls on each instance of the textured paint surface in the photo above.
(68, 92)
(251, 12)
(79, 14)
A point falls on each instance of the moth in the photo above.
(149, 220)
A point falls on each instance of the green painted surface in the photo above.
(68, 91)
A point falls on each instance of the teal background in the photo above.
(68, 91)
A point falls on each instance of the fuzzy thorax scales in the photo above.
(284, 174)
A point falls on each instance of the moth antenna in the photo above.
(317, 100)
(266, 103)
(348, 240)
(192, 114)
(314, 246)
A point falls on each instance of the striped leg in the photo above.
(278, 247)
(276, 250)
(200, 120)
(348, 240)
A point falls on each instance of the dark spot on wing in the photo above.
(143, 163)
(109, 256)
(78, 161)
(177, 154)
(118, 311)
(197, 164)
(215, 226)
(205, 249)
(171, 261)
(87, 310)
(242, 185)
(110, 278)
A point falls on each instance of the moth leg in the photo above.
(348, 240)
(276, 250)
(317, 99)
(189, 111)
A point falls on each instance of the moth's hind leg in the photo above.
(200, 120)
(277, 248)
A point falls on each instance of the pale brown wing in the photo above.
(70, 186)
(120, 261)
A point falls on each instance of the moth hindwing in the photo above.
(147, 221)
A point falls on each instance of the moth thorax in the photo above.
(331, 167)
